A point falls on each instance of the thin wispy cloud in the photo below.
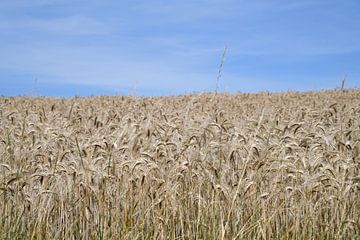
(69, 25)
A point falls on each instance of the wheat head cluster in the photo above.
(198, 166)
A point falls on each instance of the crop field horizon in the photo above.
(198, 166)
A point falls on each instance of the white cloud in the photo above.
(70, 25)
(101, 66)
(73, 25)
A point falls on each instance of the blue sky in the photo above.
(88, 47)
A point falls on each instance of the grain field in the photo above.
(199, 166)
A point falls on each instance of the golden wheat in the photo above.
(201, 166)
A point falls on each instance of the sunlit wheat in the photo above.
(243, 166)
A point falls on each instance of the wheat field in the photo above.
(198, 166)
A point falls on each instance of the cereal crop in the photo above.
(198, 166)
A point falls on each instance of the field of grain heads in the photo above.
(201, 166)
